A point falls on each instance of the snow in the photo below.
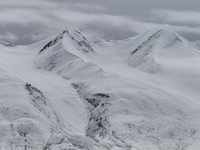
(196, 44)
(76, 91)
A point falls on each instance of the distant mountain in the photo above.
(196, 44)
(76, 91)
(6, 44)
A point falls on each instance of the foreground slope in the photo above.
(75, 91)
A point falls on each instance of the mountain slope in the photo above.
(75, 91)
(27, 118)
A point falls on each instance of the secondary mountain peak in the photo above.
(154, 44)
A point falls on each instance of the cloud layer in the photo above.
(27, 21)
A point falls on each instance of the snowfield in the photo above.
(74, 91)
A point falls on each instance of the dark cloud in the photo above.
(25, 22)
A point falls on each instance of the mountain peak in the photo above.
(153, 45)
(73, 30)
(75, 36)
(71, 44)
(167, 29)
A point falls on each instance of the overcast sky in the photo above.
(29, 21)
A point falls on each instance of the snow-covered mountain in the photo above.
(76, 91)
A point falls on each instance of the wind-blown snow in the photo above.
(76, 91)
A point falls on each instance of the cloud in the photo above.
(186, 22)
(27, 3)
(30, 21)
(9, 37)
(180, 17)
(22, 16)
(41, 16)
(52, 19)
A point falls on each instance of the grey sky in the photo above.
(28, 21)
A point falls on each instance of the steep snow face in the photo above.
(67, 54)
(142, 57)
(53, 55)
(157, 44)
(75, 91)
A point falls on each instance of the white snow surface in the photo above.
(74, 91)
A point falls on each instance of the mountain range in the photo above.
(74, 91)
